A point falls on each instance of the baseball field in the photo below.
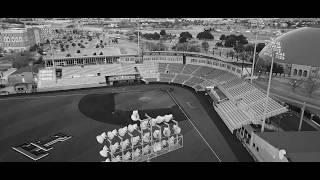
(86, 113)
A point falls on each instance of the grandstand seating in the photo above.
(198, 87)
(180, 78)
(175, 68)
(167, 75)
(202, 71)
(249, 110)
(162, 67)
(206, 83)
(196, 80)
(189, 68)
(188, 83)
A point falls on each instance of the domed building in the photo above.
(298, 51)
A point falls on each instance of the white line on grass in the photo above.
(194, 127)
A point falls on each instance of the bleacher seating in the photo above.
(235, 116)
(232, 83)
(240, 90)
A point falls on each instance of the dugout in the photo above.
(123, 79)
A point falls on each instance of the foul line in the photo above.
(79, 94)
(194, 126)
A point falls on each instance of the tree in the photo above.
(68, 55)
(230, 41)
(294, 84)
(219, 44)
(97, 46)
(101, 53)
(222, 37)
(163, 32)
(205, 35)
(78, 51)
(239, 48)
(186, 35)
(73, 44)
(260, 46)
(94, 54)
(194, 48)
(205, 46)
(311, 85)
(182, 40)
(242, 39)
(249, 48)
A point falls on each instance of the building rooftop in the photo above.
(299, 145)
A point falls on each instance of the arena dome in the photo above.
(300, 46)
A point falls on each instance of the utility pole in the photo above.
(254, 53)
(302, 114)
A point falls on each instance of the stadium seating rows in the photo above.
(197, 77)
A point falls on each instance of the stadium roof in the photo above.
(299, 46)
(299, 145)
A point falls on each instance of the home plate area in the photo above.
(40, 148)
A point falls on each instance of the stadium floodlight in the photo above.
(135, 116)
(124, 144)
(157, 134)
(269, 51)
(166, 132)
(127, 156)
(176, 129)
(282, 153)
(104, 151)
(114, 147)
(123, 131)
(136, 153)
(159, 119)
(135, 140)
(153, 121)
(168, 118)
(116, 159)
(110, 135)
(145, 150)
(163, 143)
(171, 141)
(130, 128)
(148, 144)
(144, 124)
(254, 51)
(101, 138)
(157, 146)
(146, 137)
